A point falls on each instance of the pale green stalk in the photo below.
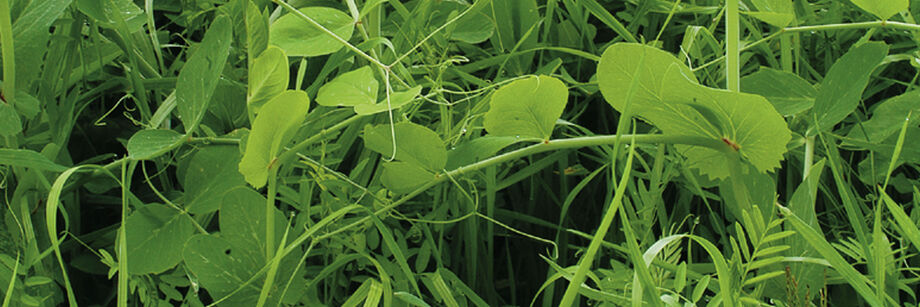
(6, 47)
(732, 52)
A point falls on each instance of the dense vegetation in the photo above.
(459, 152)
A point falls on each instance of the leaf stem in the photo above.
(732, 52)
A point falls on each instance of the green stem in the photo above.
(9, 59)
(270, 214)
(732, 52)
(570, 143)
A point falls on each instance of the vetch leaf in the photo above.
(526, 108)
(268, 77)
(415, 144)
(274, 127)
(152, 143)
(668, 96)
(887, 118)
(28, 158)
(352, 88)
(156, 229)
(299, 38)
(842, 87)
(884, 9)
(397, 100)
(789, 93)
(198, 77)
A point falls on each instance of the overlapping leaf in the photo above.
(278, 119)
(420, 153)
(668, 96)
(842, 87)
(526, 108)
(268, 77)
(300, 38)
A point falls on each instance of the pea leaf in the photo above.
(152, 143)
(526, 108)
(842, 87)
(102, 11)
(397, 100)
(156, 229)
(222, 267)
(778, 13)
(198, 77)
(789, 93)
(272, 128)
(299, 38)
(352, 88)
(268, 77)
(256, 30)
(402, 177)
(209, 175)
(887, 118)
(884, 9)
(415, 144)
(668, 96)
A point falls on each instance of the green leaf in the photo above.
(31, 35)
(526, 108)
(101, 11)
(403, 177)
(473, 28)
(352, 88)
(159, 230)
(29, 159)
(789, 93)
(669, 97)
(397, 100)
(256, 30)
(415, 144)
(780, 20)
(778, 13)
(477, 149)
(887, 118)
(299, 38)
(222, 267)
(198, 77)
(152, 143)
(10, 124)
(884, 9)
(842, 87)
(273, 128)
(209, 175)
(268, 77)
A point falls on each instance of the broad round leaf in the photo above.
(356, 87)
(415, 144)
(397, 100)
(884, 9)
(526, 108)
(669, 97)
(156, 230)
(272, 128)
(300, 38)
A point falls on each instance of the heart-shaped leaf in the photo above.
(198, 77)
(268, 77)
(526, 108)
(668, 96)
(274, 127)
(356, 87)
(300, 38)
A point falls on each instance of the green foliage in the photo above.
(460, 153)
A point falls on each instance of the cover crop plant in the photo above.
(459, 153)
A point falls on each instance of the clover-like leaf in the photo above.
(300, 38)
(273, 127)
(356, 87)
(526, 108)
(268, 77)
(668, 96)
